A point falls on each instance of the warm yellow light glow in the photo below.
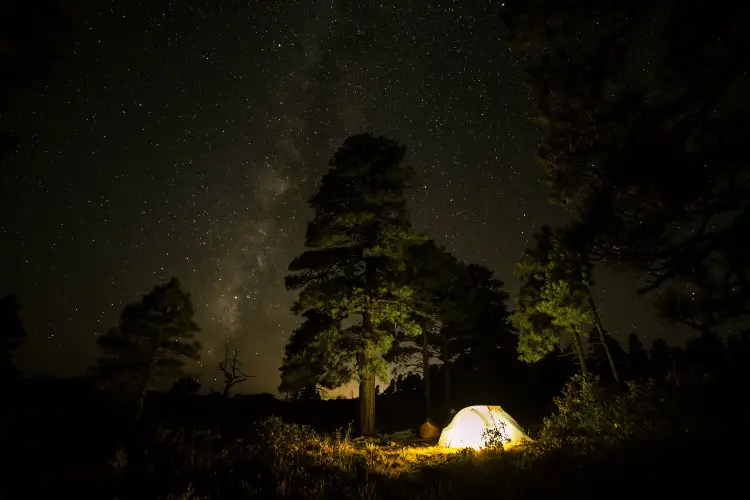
(469, 427)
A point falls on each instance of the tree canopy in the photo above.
(150, 342)
(550, 303)
(352, 277)
(646, 120)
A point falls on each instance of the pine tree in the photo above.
(318, 353)
(646, 106)
(439, 283)
(149, 344)
(556, 298)
(543, 312)
(483, 342)
(354, 270)
(186, 385)
(308, 393)
(638, 362)
(603, 352)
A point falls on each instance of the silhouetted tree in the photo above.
(663, 359)
(653, 162)
(706, 353)
(186, 385)
(12, 333)
(309, 359)
(354, 268)
(637, 358)
(231, 368)
(308, 393)
(438, 281)
(393, 385)
(482, 343)
(738, 348)
(153, 337)
(604, 351)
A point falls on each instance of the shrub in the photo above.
(590, 418)
(495, 438)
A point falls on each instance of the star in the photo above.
(187, 143)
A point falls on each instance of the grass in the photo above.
(291, 461)
(627, 445)
(287, 461)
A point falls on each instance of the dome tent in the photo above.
(469, 427)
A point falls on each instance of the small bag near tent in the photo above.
(428, 430)
(472, 426)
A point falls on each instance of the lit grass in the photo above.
(292, 461)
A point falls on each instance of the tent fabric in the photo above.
(468, 428)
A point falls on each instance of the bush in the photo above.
(590, 419)
(495, 438)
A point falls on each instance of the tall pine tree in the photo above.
(354, 270)
(149, 344)
(438, 282)
(481, 345)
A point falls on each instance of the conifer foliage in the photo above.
(551, 300)
(153, 338)
(646, 121)
(354, 291)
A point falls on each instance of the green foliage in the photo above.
(463, 314)
(318, 352)
(553, 296)
(150, 342)
(495, 438)
(283, 440)
(12, 333)
(434, 276)
(590, 419)
(646, 119)
(354, 268)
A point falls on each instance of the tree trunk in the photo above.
(367, 381)
(581, 357)
(367, 392)
(426, 375)
(144, 387)
(600, 329)
(447, 371)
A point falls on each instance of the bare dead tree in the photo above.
(231, 367)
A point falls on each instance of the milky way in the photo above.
(185, 138)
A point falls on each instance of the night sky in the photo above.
(185, 138)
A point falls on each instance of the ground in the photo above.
(293, 461)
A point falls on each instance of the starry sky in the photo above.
(185, 138)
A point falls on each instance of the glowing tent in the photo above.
(469, 427)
